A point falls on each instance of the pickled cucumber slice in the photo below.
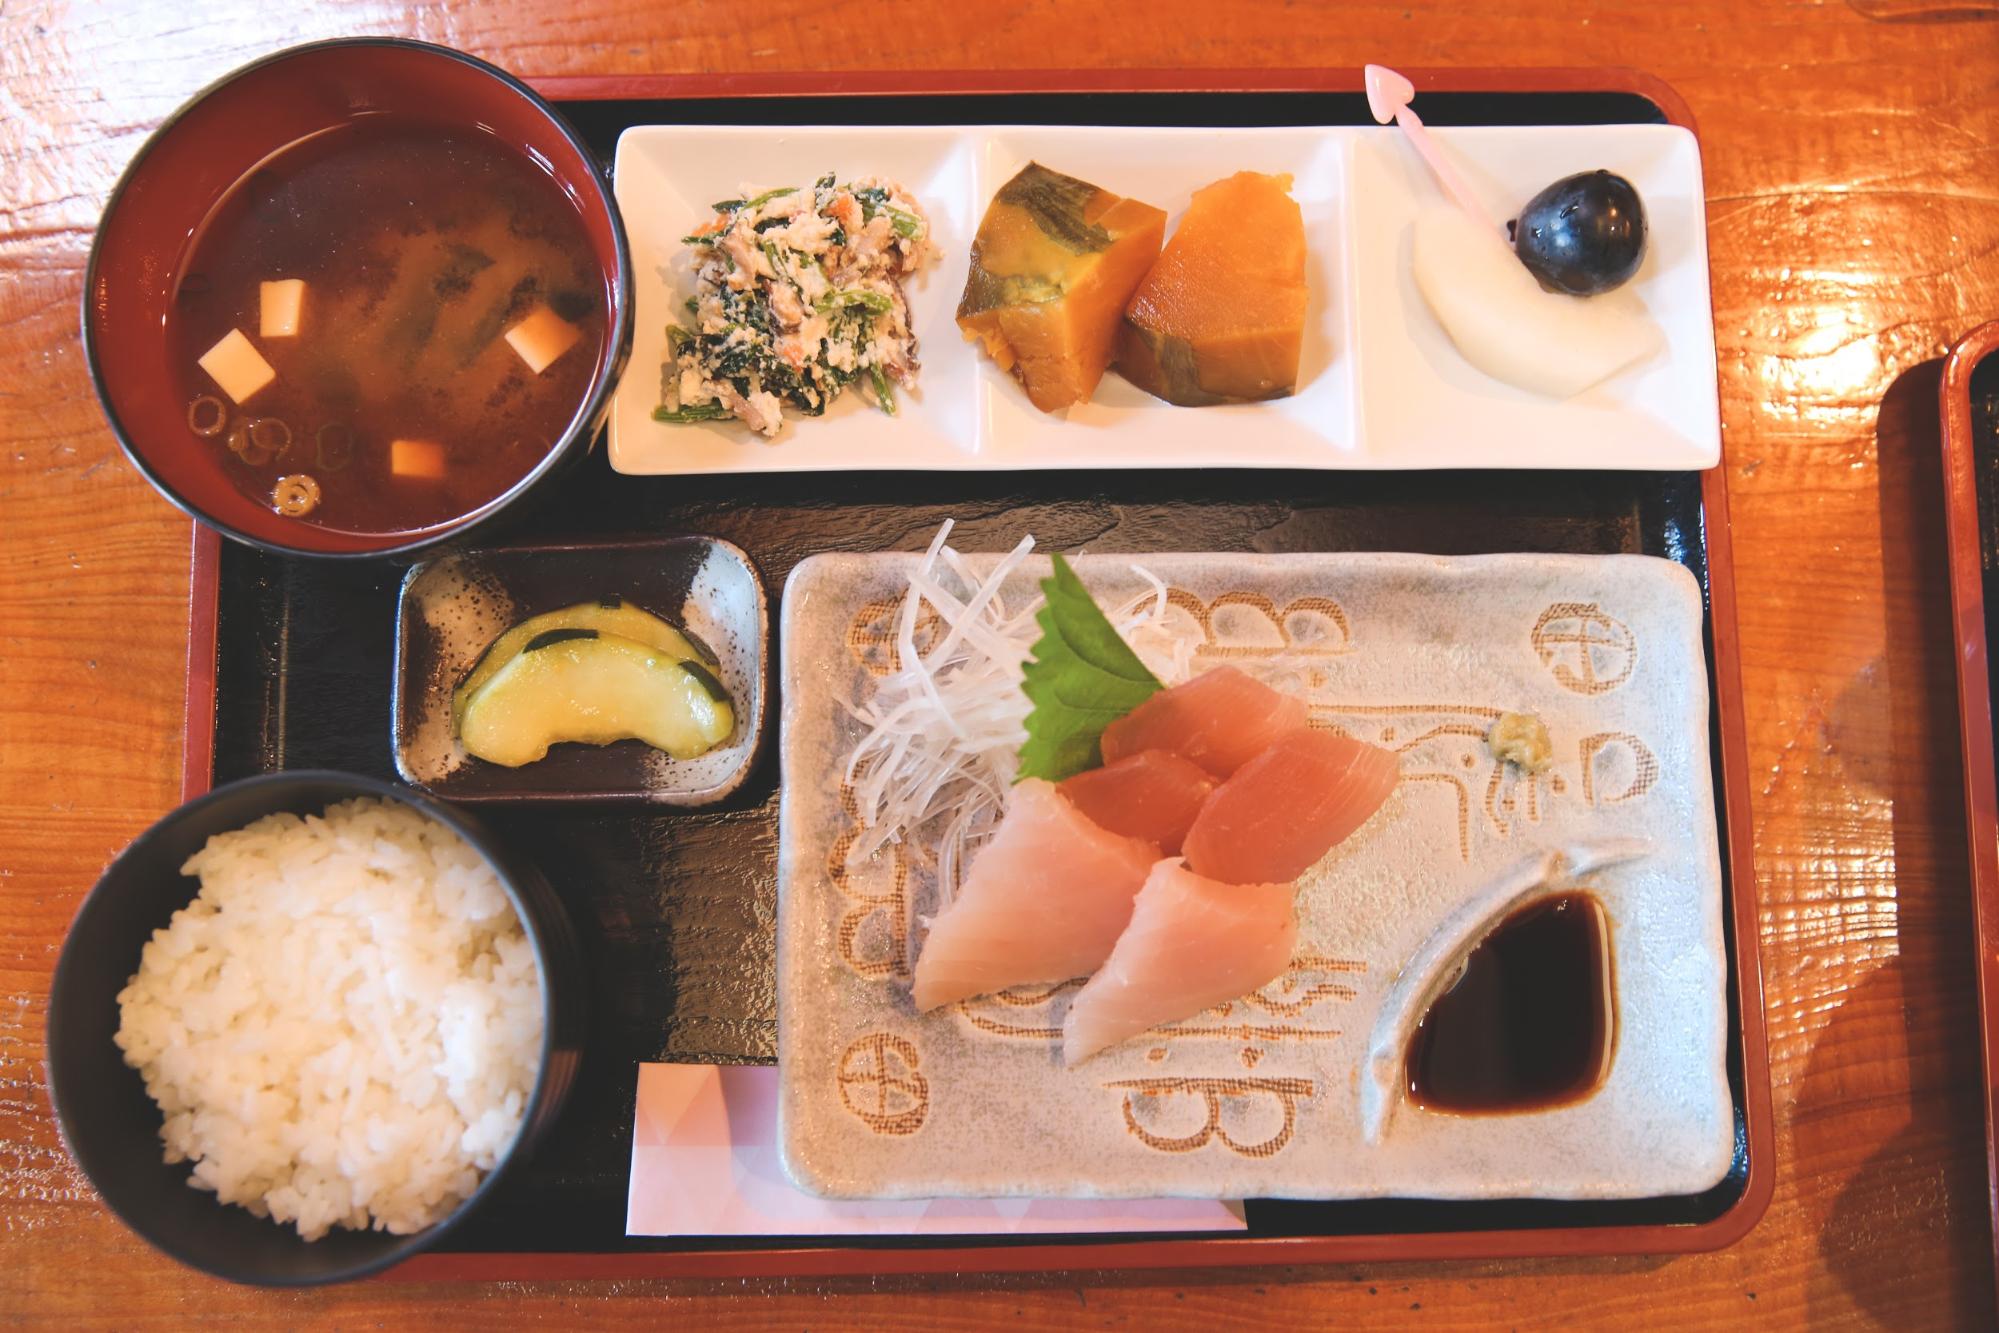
(572, 684)
(609, 615)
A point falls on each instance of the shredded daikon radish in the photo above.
(945, 728)
(1142, 621)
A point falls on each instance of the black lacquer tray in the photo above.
(677, 907)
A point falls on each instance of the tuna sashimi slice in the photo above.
(1288, 807)
(1153, 795)
(1192, 944)
(1044, 901)
(1220, 719)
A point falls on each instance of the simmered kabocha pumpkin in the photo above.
(583, 685)
(1220, 317)
(1053, 265)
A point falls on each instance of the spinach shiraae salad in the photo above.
(798, 294)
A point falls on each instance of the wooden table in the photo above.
(1854, 233)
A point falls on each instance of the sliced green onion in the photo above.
(756, 201)
(873, 302)
(691, 412)
(883, 394)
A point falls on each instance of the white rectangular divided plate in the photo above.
(1260, 1097)
(1380, 384)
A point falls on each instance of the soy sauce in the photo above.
(1532, 1021)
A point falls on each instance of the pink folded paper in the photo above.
(705, 1163)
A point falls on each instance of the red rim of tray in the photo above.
(1224, 1250)
(1974, 701)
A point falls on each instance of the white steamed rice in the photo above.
(343, 1028)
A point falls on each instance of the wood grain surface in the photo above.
(1851, 155)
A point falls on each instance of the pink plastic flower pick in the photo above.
(1388, 98)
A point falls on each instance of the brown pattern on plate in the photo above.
(1570, 635)
(1215, 1093)
(881, 1083)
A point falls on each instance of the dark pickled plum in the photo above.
(1582, 235)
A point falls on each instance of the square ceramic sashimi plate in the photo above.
(1282, 1093)
(1379, 384)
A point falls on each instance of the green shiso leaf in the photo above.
(1083, 677)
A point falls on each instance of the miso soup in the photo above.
(386, 325)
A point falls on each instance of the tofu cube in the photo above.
(542, 337)
(236, 365)
(416, 458)
(280, 303)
